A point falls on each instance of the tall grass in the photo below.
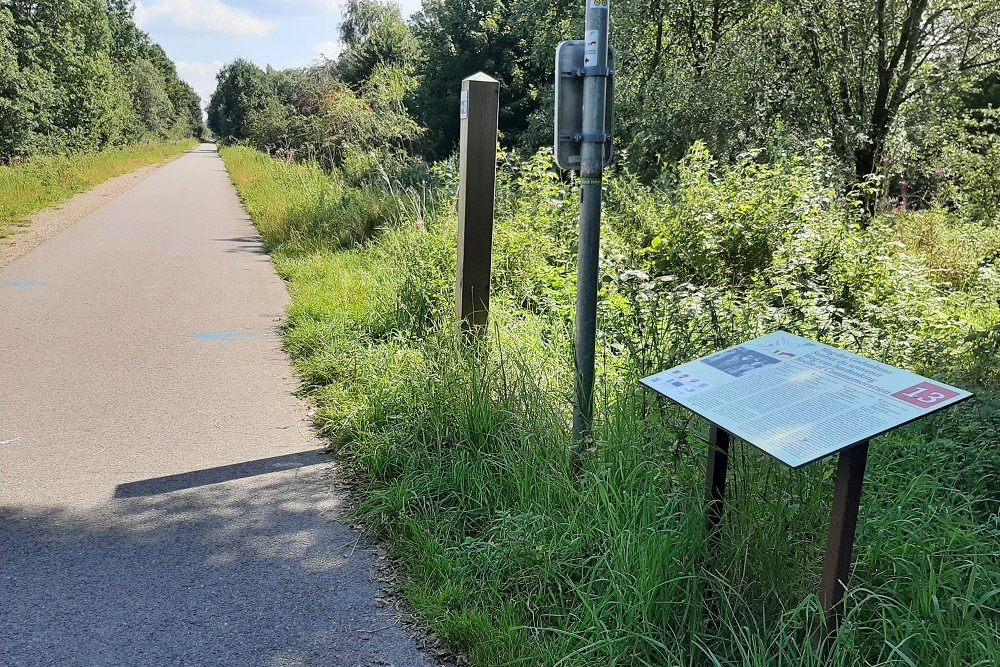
(462, 459)
(301, 208)
(40, 182)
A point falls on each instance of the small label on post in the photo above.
(590, 48)
(463, 108)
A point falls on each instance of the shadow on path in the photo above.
(256, 571)
(190, 480)
(253, 245)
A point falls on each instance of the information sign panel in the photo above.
(799, 400)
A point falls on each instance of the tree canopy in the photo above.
(888, 89)
(79, 75)
(350, 109)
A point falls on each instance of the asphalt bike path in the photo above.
(162, 498)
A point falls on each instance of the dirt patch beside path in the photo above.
(48, 222)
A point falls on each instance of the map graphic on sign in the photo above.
(799, 400)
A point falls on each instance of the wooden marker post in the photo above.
(480, 106)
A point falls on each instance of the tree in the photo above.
(374, 35)
(364, 17)
(188, 106)
(243, 90)
(717, 71)
(13, 121)
(79, 75)
(869, 58)
(458, 38)
(150, 99)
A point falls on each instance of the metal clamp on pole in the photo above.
(588, 71)
(598, 138)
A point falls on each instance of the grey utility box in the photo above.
(569, 104)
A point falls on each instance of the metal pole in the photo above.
(715, 481)
(843, 523)
(719, 441)
(591, 179)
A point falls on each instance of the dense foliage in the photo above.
(464, 458)
(349, 112)
(78, 75)
(880, 83)
(829, 169)
(312, 114)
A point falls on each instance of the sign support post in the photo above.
(843, 524)
(595, 80)
(718, 466)
(480, 105)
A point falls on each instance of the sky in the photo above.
(200, 36)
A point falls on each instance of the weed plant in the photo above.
(462, 451)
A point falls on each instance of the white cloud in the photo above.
(201, 76)
(203, 16)
(327, 51)
(336, 7)
(410, 7)
(326, 6)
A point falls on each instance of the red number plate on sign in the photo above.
(925, 395)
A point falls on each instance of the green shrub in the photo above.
(463, 452)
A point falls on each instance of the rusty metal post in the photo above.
(718, 465)
(843, 524)
(480, 106)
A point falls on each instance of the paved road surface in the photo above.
(162, 501)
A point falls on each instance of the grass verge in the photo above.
(462, 460)
(40, 182)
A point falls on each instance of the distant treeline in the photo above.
(354, 111)
(889, 89)
(79, 75)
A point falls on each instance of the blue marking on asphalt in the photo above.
(24, 283)
(226, 335)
